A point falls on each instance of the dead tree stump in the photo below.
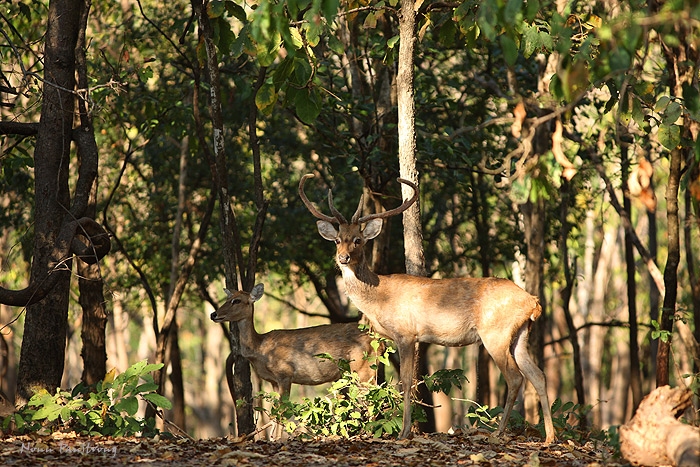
(655, 436)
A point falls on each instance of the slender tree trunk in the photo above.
(690, 261)
(481, 216)
(671, 270)
(566, 293)
(635, 374)
(242, 387)
(654, 295)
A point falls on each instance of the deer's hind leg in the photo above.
(536, 376)
(499, 347)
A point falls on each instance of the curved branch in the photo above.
(83, 237)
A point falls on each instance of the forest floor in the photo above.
(440, 449)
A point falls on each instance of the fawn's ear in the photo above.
(327, 230)
(372, 229)
(257, 292)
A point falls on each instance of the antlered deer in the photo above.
(287, 356)
(453, 312)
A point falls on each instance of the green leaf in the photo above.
(512, 11)
(215, 8)
(670, 136)
(297, 41)
(672, 113)
(308, 105)
(510, 50)
(159, 401)
(335, 45)
(130, 405)
(236, 11)
(266, 96)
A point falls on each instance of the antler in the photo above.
(309, 205)
(392, 212)
(356, 219)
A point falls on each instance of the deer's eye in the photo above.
(357, 241)
(337, 241)
(235, 301)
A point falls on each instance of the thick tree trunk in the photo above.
(413, 233)
(92, 301)
(43, 345)
(534, 220)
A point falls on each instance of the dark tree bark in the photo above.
(671, 270)
(534, 220)
(46, 324)
(566, 293)
(635, 374)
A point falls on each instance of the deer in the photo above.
(290, 356)
(452, 312)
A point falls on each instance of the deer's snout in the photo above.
(343, 258)
(214, 317)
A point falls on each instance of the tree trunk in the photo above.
(566, 293)
(534, 220)
(690, 262)
(413, 233)
(46, 323)
(635, 381)
(671, 270)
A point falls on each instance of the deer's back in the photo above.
(292, 352)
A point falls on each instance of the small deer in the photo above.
(453, 312)
(287, 356)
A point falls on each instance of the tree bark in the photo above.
(413, 233)
(671, 270)
(46, 323)
(534, 220)
(635, 374)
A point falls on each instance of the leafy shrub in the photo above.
(349, 408)
(109, 408)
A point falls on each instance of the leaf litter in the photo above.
(472, 448)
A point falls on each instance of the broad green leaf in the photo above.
(510, 50)
(308, 105)
(130, 405)
(159, 401)
(236, 11)
(297, 41)
(512, 11)
(670, 136)
(672, 113)
(266, 95)
(215, 8)
(335, 45)
(393, 41)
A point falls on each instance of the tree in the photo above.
(61, 225)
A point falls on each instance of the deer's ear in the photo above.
(257, 292)
(372, 229)
(327, 230)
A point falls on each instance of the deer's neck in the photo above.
(249, 337)
(361, 285)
